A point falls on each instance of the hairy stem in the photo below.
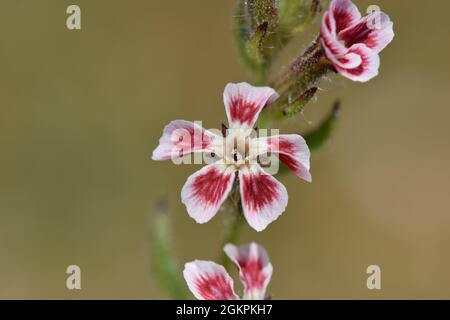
(298, 83)
(232, 236)
(164, 263)
(233, 224)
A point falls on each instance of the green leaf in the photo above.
(163, 261)
(254, 21)
(262, 11)
(296, 15)
(254, 44)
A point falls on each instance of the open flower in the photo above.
(209, 281)
(351, 42)
(236, 155)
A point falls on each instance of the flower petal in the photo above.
(206, 190)
(346, 60)
(368, 68)
(182, 137)
(344, 13)
(291, 149)
(243, 103)
(375, 31)
(329, 38)
(209, 281)
(263, 197)
(254, 267)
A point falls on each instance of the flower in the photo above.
(236, 156)
(351, 42)
(209, 281)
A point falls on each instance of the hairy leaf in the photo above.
(296, 15)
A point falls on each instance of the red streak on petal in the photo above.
(259, 190)
(211, 186)
(359, 33)
(252, 274)
(286, 150)
(285, 145)
(328, 21)
(189, 140)
(243, 111)
(289, 161)
(216, 287)
(363, 67)
(343, 19)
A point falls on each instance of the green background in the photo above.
(81, 112)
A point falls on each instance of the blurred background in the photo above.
(81, 112)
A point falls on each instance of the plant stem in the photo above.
(163, 259)
(297, 84)
(233, 225)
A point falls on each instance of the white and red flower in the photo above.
(236, 155)
(210, 281)
(351, 42)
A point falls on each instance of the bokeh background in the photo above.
(81, 112)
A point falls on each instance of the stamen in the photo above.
(224, 130)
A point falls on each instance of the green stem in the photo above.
(164, 264)
(233, 224)
(297, 85)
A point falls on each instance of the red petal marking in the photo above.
(289, 161)
(211, 186)
(180, 138)
(328, 23)
(259, 190)
(243, 102)
(254, 268)
(345, 13)
(188, 139)
(357, 33)
(216, 287)
(369, 64)
(209, 281)
(243, 111)
(206, 190)
(293, 151)
(264, 198)
(374, 38)
(343, 19)
(251, 273)
(330, 42)
(287, 149)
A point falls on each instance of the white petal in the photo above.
(206, 190)
(243, 103)
(368, 69)
(254, 268)
(263, 197)
(182, 137)
(209, 281)
(291, 149)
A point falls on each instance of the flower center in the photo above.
(237, 148)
